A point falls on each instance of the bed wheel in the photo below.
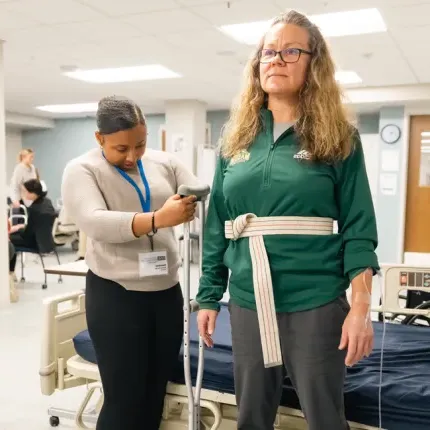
(44, 287)
(54, 421)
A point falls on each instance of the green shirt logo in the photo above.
(240, 157)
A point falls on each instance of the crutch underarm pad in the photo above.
(200, 191)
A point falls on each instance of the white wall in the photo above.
(13, 146)
(371, 144)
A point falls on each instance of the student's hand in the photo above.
(357, 336)
(176, 211)
(206, 320)
(16, 204)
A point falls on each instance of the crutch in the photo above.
(201, 192)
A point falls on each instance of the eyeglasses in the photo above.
(289, 55)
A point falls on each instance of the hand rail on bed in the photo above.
(57, 344)
(201, 192)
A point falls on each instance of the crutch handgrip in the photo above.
(200, 191)
(194, 306)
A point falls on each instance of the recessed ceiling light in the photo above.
(70, 108)
(347, 77)
(123, 74)
(348, 23)
(336, 24)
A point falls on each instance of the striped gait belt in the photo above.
(249, 225)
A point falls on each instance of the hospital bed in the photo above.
(68, 361)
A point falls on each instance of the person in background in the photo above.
(41, 206)
(291, 164)
(24, 171)
(123, 197)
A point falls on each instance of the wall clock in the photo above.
(390, 133)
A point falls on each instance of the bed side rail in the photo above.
(398, 278)
(63, 317)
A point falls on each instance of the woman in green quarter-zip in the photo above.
(291, 165)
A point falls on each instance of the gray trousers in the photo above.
(316, 367)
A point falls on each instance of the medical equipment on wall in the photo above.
(201, 193)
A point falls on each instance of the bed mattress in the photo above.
(405, 378)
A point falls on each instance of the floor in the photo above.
(21, 402)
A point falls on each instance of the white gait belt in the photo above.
(249, 225)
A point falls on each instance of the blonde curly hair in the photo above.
(324, 126)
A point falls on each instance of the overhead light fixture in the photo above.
(70, 108)
(335, 24)
(248, 33)
(348, 23)
(123, 74)
(347, 77)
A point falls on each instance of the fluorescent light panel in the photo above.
(336, 24)
(123, 74)
(70, 108)
(347, 77)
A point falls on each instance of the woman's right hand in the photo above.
(175, 211)
(206, 320)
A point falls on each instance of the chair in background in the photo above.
(18, 215)
(45, 245)
(65, 231)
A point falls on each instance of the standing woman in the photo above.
(24, 171)
(123, 196)
(291, 164)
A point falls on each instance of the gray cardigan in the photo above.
(102, 204)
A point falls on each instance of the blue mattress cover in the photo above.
(405, 379)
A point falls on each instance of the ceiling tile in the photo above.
(407, 16)
(169, 21)
(372, 56)
(116, 8)
(313, 7)
(413, 43)
(72, 34)
(210, 40)
(54, 11)
(11, 20)
(238, 12)
(203, 2)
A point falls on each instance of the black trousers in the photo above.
(137, 338)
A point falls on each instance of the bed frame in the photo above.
(61, 368)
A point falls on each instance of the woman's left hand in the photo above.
(357, 336)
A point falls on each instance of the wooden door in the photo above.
(417, 228)
(163, 139)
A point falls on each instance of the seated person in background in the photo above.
(41, 206)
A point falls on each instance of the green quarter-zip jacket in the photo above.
(275, 178)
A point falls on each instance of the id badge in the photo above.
(153, 264)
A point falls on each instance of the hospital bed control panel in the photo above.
(415, 279)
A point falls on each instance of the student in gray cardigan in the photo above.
(123, 196)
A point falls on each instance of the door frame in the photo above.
(409, 112)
